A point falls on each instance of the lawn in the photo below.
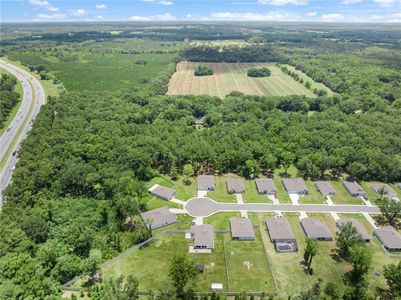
(251, 194)
(282, 195)
(220, 220)
(13, 112)
(185, 192)
(314, 197)
(229, 77)
(220, 194)
(342, 196)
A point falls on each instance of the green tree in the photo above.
(392, 274)
(93, 261)
(346, 238)
(287, 159)
(268, 163)
(250, 168)
(181, 272)
(331, 291)
(361, 260)
(117, 288)
(310, 252)
(188, 173)
(390, 209)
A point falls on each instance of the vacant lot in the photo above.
(230, 77)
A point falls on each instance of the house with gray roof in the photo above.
(387, 190)
(354, 189)
(162, 192)
(265, 186)
(389, 238)
(203, 236)
(358, 226)
(281, 234)
(158, 217)
(206, 183)
(235, 186)
(325, 188)
(295, 186)
(241, 229)
(316, 229)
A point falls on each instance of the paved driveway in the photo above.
(202, 207)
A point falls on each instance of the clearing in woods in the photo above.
(230, 77)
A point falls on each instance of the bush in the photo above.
(203, 70)
(259, 72)
(141, 62)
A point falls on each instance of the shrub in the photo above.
(141, 62)
(259, 72)
(203, 70)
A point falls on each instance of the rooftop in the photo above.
(205, 182)
(316, 229)
(162, 192)
(390, 237)
(294, 184)
(378, 187)
(353, 187)
(325, 188)
(235, 185)
(279, 229)
(265, 185)
(203, 235)
(358, 226)
(241, 227)
(158, 217)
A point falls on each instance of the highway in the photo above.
(18, 129)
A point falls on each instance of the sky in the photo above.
(170, 10)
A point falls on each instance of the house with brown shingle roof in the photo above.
(265, 186)
(241, 229)
(235, 186)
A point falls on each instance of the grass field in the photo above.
(342, 196)
(251, 194)
(232, 77)
(314, 197)
(18, 89)
(220, 194)
(243, 262)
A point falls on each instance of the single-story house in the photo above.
(203, 236)
(358, 226)
(200, 121)
(281, 234)
(162, 192)
(266, 186)
(241, 229)
(206, 183)
(387, 190)
(235, 186)
(158, 217)
(354, 189)
(295, 186)
(389, 237)
(325, 188)
(316, 229)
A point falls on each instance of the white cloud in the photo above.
(162, 17)
(101, 6)
(166, 2)
(148, 0)
(348, 2)
(44, 4)
(80, 12)
(334, 17)
(386, 2)
(189, 16)
(311, 14)
(99, 17)
(271, 16)
(283, 2)
(50, 16)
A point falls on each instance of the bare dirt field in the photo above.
(230, 77)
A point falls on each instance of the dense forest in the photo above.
(83, 168)
(8, 97)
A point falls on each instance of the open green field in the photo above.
(18, 89)
(251, 194)
(83, 70)
(230, 77)
(314, 196)
(342, 196)
(238, 265)
(220, 193)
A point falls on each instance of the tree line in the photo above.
(8, 96)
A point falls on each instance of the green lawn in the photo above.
(251, 194)
(220, 194)
(342, 196)
(282, 195)
(185, 192)
(221, 220)
(314, 196)
(13, 112)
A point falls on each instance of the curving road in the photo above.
(10, 141)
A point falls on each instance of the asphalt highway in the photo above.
(17, 131)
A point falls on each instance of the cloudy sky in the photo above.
(167, 10)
